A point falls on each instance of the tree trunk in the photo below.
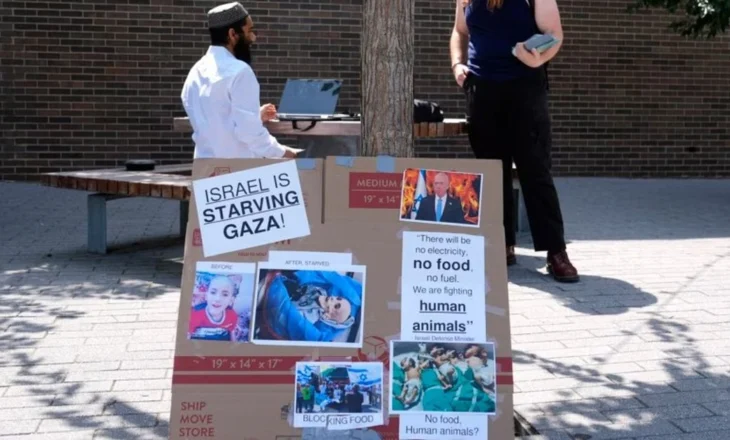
(387, 78)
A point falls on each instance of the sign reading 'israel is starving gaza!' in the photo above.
(250, 208)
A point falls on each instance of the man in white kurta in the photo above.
(221, 93)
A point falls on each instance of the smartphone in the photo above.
(541, 42)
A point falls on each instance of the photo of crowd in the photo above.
(339, 388)
(442, 377)
(221, 302)
(309, 307)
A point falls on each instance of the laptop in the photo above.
(310, 100)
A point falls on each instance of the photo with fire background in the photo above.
(463, 186)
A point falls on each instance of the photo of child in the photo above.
(442, 377)
(309, 307)
(222, 301)
(441, 197)
(336, 389)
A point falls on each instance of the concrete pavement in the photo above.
(637, 350)
(86, 341)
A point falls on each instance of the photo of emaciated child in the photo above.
(309, 307)
(221, 302)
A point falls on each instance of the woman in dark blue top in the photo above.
(507, 107)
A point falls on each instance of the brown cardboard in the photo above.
(247, 389)
(356, 189)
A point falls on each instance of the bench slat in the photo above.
(161, 182)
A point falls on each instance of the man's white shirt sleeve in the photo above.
(247, 124)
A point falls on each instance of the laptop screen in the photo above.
(310, 97)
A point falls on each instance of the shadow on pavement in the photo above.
(72, 326)
(593, 295)
(668, 388)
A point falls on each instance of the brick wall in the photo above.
(91, 84)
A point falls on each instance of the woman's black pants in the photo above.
(510, 121)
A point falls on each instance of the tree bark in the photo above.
(387, 78)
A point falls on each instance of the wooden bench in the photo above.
(167, 182)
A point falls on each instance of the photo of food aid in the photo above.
(338, 395)
(221, 302)
(309, 307)
(339, 388)
(442, 377)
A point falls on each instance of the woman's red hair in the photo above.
(491, 4)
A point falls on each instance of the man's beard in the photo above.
(242, 50)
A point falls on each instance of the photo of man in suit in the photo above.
(440, 207)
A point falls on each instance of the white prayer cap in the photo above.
(225, 15)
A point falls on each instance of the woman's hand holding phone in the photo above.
(531, 58)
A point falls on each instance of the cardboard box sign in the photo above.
(241, 390)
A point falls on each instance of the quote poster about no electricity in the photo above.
(443, 287)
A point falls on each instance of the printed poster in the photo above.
(442, 390)
(442, 378)
(338, 395)
(443, 287)
(222, 301)
(443, 426)
(309, 307)
(441, 197)
(250, 208)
